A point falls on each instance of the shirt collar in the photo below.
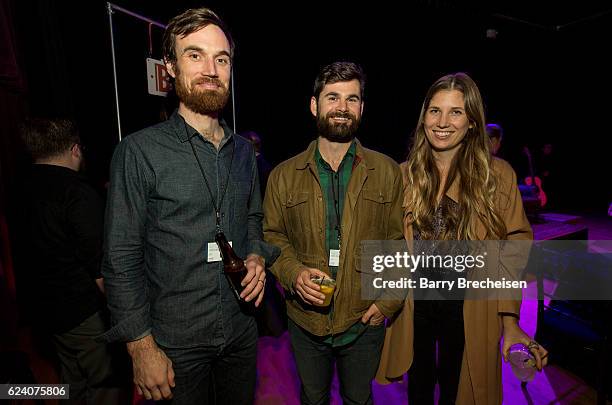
(307, 158)
(350, 154)
(184, 131)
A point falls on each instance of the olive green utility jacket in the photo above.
(294, 220)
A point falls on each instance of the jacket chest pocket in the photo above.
(298, 211)
(374, 218)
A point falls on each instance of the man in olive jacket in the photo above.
(319, 206)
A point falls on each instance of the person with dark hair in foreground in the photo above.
(173, 187)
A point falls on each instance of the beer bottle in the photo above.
(233, 267)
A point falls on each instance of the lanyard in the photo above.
(337, 203)
(212, 198)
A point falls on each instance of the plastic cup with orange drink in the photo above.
(328, 285)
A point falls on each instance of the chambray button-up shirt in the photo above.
(159, 221)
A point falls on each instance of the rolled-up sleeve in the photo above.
(123, 266)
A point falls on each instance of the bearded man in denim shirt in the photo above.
(173, 186)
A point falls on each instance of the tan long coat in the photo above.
(480, 380)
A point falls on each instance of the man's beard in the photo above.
(204, 102)
(338, 132)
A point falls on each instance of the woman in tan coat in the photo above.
(455, 190)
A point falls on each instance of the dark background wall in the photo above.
(544, 77)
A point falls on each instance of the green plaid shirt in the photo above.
(334, 186)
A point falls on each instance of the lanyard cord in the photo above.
(337, 204)
(212, 198)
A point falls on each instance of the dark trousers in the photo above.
(436, 323)
(356, 364)
(91, 368)
(209, 375)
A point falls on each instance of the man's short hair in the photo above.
(339, 72)
(45, 138)
(188, 22)
(495, 131)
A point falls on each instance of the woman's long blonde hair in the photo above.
(471, 166)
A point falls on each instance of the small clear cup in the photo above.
(328, 285)
(522, 361)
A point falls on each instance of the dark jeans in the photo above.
(209, 375)
(441, 323)
(356, 364)
(92, 369)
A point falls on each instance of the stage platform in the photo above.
(557, 226)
